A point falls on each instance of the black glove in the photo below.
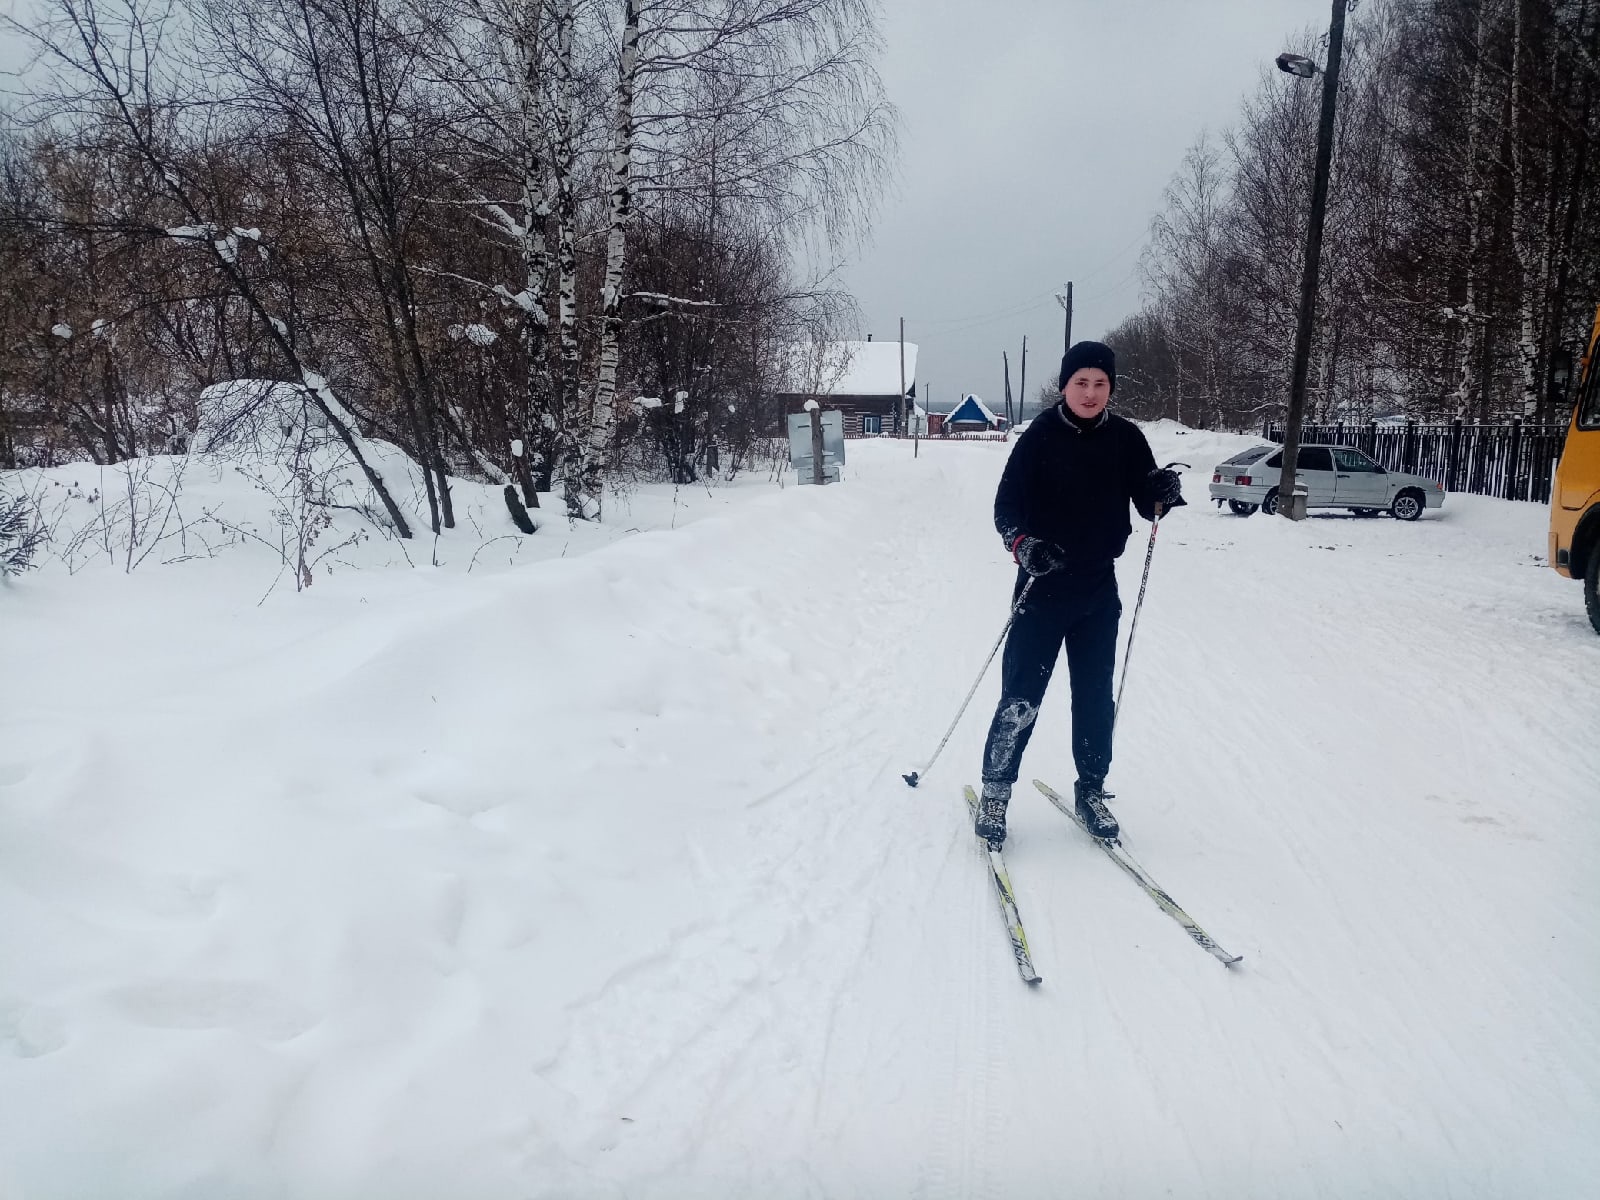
(1163, 487)
(1039, 557)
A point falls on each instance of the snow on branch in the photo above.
(525, 300)
(478, 335)
(664, 300)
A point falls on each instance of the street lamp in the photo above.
(1290, 502)
(1296, 64)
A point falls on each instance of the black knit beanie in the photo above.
(1089, 354)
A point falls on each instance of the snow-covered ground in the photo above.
(590, 872)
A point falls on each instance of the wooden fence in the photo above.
(1514, 462)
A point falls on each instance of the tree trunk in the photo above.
(566, 206)
(1575, 194)
(583, 500)
(425, 396)
(1330, 373)
(1472, 331)
(543, 424)
(1523, 232)
(373, 202)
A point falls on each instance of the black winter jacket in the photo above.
(1072, 486)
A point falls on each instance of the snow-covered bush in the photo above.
(257, 419)
(275, 436)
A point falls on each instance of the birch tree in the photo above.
(510, 65)
(1473, 192)
(584, 477)
(563, 193)
(807, 123)
(1460, 243)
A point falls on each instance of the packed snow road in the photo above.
(597, 877)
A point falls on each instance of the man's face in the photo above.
(1088, 392)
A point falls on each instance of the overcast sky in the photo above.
(1037, 137)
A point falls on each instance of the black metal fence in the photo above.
(1514, 462)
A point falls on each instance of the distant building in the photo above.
(972, 415)
(859, 379)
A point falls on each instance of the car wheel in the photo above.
(1407, 505)
(1269, 504)
(1591, 587)
(1241, 508)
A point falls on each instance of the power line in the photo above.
(1005, 316)
(976, 320)
(1009, 310)
(1138, 237)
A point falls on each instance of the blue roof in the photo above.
(972, 409)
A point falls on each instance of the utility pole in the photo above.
(916, 432)
(900, 416)
(1006, 367)
(1022, 384)
(1065, 300)
(1295, 64)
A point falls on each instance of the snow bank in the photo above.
(257, 419)
(595, 876)
(265, 476)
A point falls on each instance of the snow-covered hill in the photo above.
(590, 872)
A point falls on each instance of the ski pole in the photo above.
(915, 777)
(1133, 627)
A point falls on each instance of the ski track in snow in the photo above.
(596, 877)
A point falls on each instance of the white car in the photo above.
(1335, 477)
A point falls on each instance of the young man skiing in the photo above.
(1062, 508)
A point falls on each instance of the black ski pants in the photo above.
(1080, 612)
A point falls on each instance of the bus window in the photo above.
(1589, 400)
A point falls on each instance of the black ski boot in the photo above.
(991, 823)
(1092, 797)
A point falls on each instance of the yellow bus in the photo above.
(1575, 503)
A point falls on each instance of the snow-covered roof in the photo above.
(851, 368)
(972, 409)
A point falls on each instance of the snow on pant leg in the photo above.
(1025, 669)
(1091, 642)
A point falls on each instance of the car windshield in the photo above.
(1254, 454)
